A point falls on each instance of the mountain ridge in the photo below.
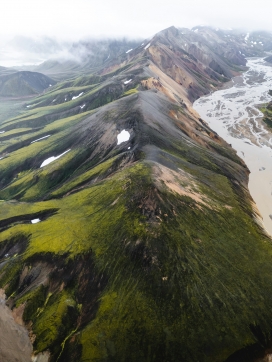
(131, 251)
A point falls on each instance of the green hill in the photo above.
(23, 83)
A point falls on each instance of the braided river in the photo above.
(234, 114)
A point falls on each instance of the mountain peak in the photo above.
(171, 30)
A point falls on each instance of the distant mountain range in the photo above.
(91, 53)
(127, 231)
(24, 83)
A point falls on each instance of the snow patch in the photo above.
(127, 81)
(35, 221)
(147, 46)
(2, 131)
(246, 37)
(83, 106)
(51, 159)
(128, 51)
(50, 85)
(75, 97)
(42, 138)
(123, 137)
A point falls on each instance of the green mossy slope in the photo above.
(175, 277)
(145, 251)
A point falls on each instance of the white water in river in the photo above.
(234, 115)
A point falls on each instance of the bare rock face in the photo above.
(15, 345)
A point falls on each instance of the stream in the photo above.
(233, 113)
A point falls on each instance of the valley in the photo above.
(234, 114)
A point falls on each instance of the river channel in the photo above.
(233, 113)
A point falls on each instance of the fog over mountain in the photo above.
(122, 18)
(32, 32)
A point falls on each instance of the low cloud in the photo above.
(70, 20)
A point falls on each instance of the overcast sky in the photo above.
(73, 19)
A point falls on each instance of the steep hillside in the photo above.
(23, 83)
(141, 248)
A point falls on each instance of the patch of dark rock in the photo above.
(11, 136)
(140, 254)
(13, 246)
(79, 274)
(248, 354)
(40, 269)
(26, 218)
(256, 352)
(71, 352)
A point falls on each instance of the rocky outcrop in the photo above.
(15, 343)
